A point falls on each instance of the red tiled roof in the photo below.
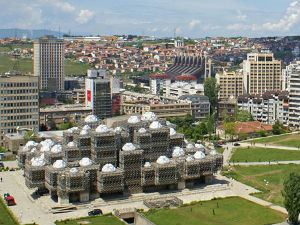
(159, 76)
(250, 127)
(185, 77)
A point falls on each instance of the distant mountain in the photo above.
(32, 34)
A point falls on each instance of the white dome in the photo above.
(190, 145)
(172, 131)
(84, 132)
(25, 148)
(108, 168)
(147, 164)
(162, 160)
(56, 149)
(199, 145)
(86, 127)
(85, 162)
(199, 155)
(133, 119)
(155, 125)
(142, 130)
(128, 147)
(73, 170)
(102, 129)
(37, 161)
(34, 149)
(72, 129)
(91, 119)
(59, 164)
(189, 158)
(118, 129)
(71, 144)
(149, 116)
(213, 152)
(31, 144)
(46, 147)
(177, 152)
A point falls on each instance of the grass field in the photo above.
(288, 140)
(5, 216)
(94, 220)
(257, 154)
(258, 176)
(220, 150)
(26, 65)
(231, 211)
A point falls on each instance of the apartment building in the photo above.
(293, 87)
(158, 83)
(231, 84)
(19, 104)
(261, 73)
(49, 63)
(266, 108)
(199, 104)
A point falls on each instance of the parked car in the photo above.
(236, 144)
(217, 146)
(95, 212)
(9, 199)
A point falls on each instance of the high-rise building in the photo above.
(98, 93)
(261, 73)
(49, 63)
(231, 84)
(19, 104)
(293, 87)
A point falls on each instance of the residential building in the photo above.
(171, 110)
(181, 87)
(230, 83)
(49, 63)
(158, 82)
(293, 87)
(63, 113)
(19, 104)
(98, 94)
(226, 107)
(200, 105)
(261, 73)
(266, 108)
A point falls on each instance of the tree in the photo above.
(211, 90)
(229, 128)
(30, 135)
(235, 113)
(225, 115)
(277, 128)
(53, 125)
(43, 127)
(291, 195)
(244, 116)
(211, 119)
(202, 128)
(65, 126)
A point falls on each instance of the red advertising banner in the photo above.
(89, 95)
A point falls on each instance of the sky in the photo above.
(161, 18)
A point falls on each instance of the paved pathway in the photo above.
(245, 144)
(264, 163)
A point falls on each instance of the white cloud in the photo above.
(193, 23)
(290, 18)
(237, 26)
(84, 16)
(178, 30)
(154, 29)
(241, 16)
(65, 6)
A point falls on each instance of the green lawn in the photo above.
(5, 216)
(256, 154)
(258, 176)
(94, 220)
(231, 211)
(220, 150)
(288, 140)
(26, 65)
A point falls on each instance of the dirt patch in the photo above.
(83, 222)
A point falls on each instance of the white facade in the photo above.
(180, 88)
(293, 86)
(266, 108)
(158, 84)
